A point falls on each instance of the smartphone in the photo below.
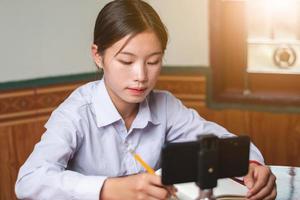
(234, 156)
(179, 161)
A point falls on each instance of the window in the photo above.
(255, 51)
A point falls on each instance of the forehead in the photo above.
(144, 43)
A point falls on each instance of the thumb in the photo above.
(249, 179)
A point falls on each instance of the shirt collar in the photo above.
(144, 115)
(106, 112)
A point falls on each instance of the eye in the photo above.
(125, 62)
(153, 63)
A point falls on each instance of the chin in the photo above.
(135, 99)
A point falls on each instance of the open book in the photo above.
(225, 190)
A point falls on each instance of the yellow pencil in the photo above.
(148, 168)
(143, 163)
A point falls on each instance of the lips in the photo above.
(137, 91)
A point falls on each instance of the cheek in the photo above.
(154, 73)
(117, 79)
(115, 72)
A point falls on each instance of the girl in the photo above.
(83, 153)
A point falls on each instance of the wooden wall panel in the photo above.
(7, 171)
(277, 135)
(16, 143)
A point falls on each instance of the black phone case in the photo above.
(234, 156)
(179, 160)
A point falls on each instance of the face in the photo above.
(131, 68)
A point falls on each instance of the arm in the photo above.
(185, 124)
(52, 182)
(44, 174)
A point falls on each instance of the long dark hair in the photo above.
(123, 17)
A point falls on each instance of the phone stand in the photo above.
(207, 166)
(206, 194)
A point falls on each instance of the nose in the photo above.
(140, 72)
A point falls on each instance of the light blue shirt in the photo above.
(85, 142)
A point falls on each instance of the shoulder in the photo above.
(80, 97)
(78, 101)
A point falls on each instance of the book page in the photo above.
(226, 188)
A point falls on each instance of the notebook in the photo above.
(225, 190)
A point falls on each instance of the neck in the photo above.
(129, 116)
(128, 112)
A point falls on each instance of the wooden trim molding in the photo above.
(32, 102)
(90, 76)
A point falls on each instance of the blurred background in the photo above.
(53, 38)
(235, 61)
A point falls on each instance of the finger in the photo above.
(171, 188)
(155, 180)
(273, 195)
(158, 192)
(152, 198)
(249, 179)
(174, 188)
(267, 190)
(146, 197)
(261, 179)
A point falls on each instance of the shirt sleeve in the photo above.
(44, 175)
(184, 124)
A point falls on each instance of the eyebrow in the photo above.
(131, 54)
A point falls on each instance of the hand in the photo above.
(140, 186)
(261, 182)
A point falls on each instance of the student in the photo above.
(83, 153)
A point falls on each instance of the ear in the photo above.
(96, 56)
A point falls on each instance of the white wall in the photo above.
(187, 23)
(51, 37)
